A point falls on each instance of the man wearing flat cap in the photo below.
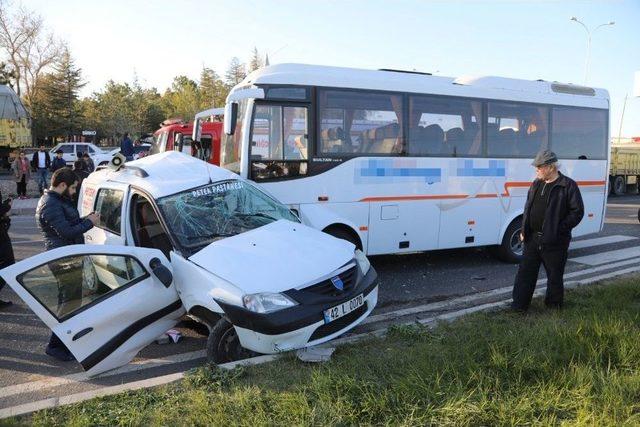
(554, 207)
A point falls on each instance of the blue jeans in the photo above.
(41, 178)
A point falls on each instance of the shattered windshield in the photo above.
(200, 216)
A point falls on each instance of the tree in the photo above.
(235, 73)
(182, 99)
(213, 91)
(30, 50)
(255, 61)
(65, 91)
(7, 75)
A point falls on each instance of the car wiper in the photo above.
(259, 214)
(209, 236)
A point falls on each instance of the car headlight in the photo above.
(362, 261)
(267, 302)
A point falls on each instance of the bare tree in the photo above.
(29, 48)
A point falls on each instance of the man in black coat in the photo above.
(553, 208)
(6, 250)
(60, 223)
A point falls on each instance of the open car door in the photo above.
(104, 302)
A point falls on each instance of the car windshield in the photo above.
(202, 215)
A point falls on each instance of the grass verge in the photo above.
(577, 366)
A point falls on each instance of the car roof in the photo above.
(164, 174)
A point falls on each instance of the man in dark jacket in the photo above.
(61, 225)
(6, 250)
(58, 162)
(554, 207)
(41, 163)
(126, 147)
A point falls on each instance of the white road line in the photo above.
(612, 205)
(21, 242)
(598, 241)
(481, 295)
(609, 256)
(49, 382)
(107, 391)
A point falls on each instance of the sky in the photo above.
(158, 40)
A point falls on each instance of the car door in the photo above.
(108, 200)
(104, 302)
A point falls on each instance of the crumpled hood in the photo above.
(275, 257)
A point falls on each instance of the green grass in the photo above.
(578, 366)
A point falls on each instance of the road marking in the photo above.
(607, 257)
(612, 205)
(598, 241)
(138, 365)
(481, 295)
(107, 391)
(18, 242)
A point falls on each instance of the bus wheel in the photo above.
(619, 185)
(511, 248)
(344, 234)
(223, 344)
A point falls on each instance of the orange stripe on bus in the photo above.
(507, 186)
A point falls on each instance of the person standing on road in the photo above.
(126, 147)
(41, 162)
(79, 167)
(553, 208)
(89, 165)
(58, 162)
(61, 225)
(22, 172)
(6, 250)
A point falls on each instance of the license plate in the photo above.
(343, 309)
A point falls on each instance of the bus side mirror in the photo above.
(230, 117)
(197, 130)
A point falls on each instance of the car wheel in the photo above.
(223, 344)
(511, 248)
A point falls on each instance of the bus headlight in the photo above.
(267, 302)
(362, 261)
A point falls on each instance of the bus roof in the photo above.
(10, 105)
(486, 87)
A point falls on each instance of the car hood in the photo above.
(275, 257)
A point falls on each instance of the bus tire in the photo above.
(223, 344)
(511, 248)
(619, 185)
(344, 233)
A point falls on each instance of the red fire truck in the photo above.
(177, 135)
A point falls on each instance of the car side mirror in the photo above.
(161, 272)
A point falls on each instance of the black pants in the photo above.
(554, 259)
(6, 251)
(22, 186)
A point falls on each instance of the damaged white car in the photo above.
(176, 236)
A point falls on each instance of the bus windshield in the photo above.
(231, 150)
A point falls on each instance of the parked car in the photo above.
(178, 235)
(72, 151)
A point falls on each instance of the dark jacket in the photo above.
(57, 163)
(59, 221)
(6, 250)
(126, 147)
(564, 211)
(47, 160)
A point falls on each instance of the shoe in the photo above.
(5, 304)
(517, 309)
(553, 306)
(59, 353)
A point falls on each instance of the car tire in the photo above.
(223, 344)
(511, 248)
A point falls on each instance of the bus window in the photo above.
(441, 126)
(516, 130)
(279, 142)
(360, 123)
(579, 133)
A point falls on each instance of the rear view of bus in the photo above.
(402, 161)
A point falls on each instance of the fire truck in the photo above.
(178, 135)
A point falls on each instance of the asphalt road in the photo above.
(405, 281)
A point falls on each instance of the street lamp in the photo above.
(589, 32)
